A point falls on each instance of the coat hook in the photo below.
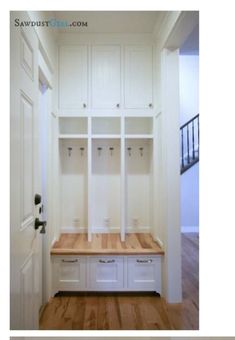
(129, 151)
(82, 150)
(111, 150)
(141, 151)
(70, 151)
(99, 150)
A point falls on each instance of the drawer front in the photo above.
(71, 273)
(106, 273)
(144, 273)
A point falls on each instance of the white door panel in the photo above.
(138, 82)
(24, 176)
(73, 77)
(106, 77)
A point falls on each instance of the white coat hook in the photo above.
(111, 150)
(99, 150)
(141, 151)
(129, 151)
(70, 151)
(82, 150)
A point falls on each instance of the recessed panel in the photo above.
(27, 294)
(106, 77)
(26, 56)
(138, 81)
(27, 159)
(73, 77)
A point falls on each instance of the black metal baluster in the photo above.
(193, 139)
(182, 148)
(188, 144)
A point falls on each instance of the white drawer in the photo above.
(144, 273)
(70, 273)
(106, 273)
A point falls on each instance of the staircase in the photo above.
(189, 133)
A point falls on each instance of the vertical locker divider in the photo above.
(123, 180)
(89, 156)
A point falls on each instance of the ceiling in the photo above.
(191, 45)
(112, 21)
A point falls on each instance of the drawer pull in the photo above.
(70, 261)
(107, 261)
(144, 261)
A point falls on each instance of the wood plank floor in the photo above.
(77, 244)
(130, 311)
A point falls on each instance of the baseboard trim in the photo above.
(190, 229)
(73, 230)
(131, 230)
(102, 230)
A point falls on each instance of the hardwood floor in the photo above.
(130, 311)
(71, 244)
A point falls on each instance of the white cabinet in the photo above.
(106, 77)
(106, 273)
(143, 273)
(138, 77)
(73, 78)
(69, 273)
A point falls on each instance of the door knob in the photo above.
(37, 199)
(38, 224)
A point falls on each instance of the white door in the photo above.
(106, 77)
(25, 180)
(73, 78)
(138, 78)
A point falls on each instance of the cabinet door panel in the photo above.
(106, 77)
(138, 79)
(73, 77)
(106, 273)
(70, 273)
(144, 273)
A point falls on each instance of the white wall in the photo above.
(189, 107)
(189, 87)
(190, 200)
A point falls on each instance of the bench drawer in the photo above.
(144, 273)
(106, 273)
(70, 273)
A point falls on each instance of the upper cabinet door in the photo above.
(106, 77)
(138, 79)
(73, 77)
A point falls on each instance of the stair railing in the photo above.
(189, 133)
